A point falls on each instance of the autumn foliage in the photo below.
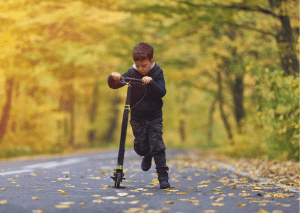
(231, 73)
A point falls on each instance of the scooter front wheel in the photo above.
(118, 179)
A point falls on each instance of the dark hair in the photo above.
(142, 51)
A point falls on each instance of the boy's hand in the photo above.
(146, 80)
(116, 76)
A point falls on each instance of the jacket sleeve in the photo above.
(115, 84)
(159, 86)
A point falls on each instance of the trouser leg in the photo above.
(158, 148)
(141, 139)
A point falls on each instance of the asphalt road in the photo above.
(82, 183)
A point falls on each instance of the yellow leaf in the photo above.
(144, 206)
(38, 211)
(241, 204)
(193, 201)
(97, 201)
(119, 202)
(62, 191)
(3, 201)
(130, 210)
(169, 202)
(210, 211)
(122, 194)
(66, 203)
(181, 193)
(35, 198)
(110, 198)
(134, 202)
(62, 206)
(95, 195)
(147, 194)
(262, 211)
(217, 204)
(3, 188)
(155, 182)
(262, 204)
(276, 211)
(231, 194)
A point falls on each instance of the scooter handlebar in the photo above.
(130, 80)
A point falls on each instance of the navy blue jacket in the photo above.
(151, 105)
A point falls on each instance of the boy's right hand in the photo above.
(116, 76)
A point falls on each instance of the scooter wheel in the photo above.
(118, 179)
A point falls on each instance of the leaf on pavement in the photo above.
(147, 194)
(155, 182)
(134, 202)
(38, 211)
(262, 211)
(169, 202)
(98, 201)
(62, 206)
(96, 196)
(3, 201)
(181, 193)
(122, 194)
(62, 191)
(119, 202)
(131, 210)
(3, 188)
(83, 203)
(217, 204)
(231, 194)
(66, 203)
(110, 198)
(284, 205)
(210, 211)
(241, 204)
(35, 198)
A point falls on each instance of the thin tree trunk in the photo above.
(223, 115)
(92, 132)
(109, 136)
(211, 120)
(238, 97)
(6, 108)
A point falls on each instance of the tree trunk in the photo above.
(211, 120)
(109, 136)
(287, 51)
(223, 115)
(238, 96)
(6, 108)
(92, 132)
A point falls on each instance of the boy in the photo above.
(146, 109)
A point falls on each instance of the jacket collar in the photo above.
(151, 71)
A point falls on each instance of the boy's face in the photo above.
(144, 66)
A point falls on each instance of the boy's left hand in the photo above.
(146, 80)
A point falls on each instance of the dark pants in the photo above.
(148, 141)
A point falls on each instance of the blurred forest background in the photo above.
(231, 71)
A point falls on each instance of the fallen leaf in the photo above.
(62, 191)
(35, 198)
(110, 198)
(210, 211)
(95, 195)
(276, 211)
(217, 204)
(241, 204)
(122, 194)
(169, 202)
(98, 201)
(284, 205)
(61, 206)
(3, 188)
(3, 201)
(66, 203)
(231, 194)
(181, 193)
(131, 210)
(38, 211)
(147, 194)
(83, 203)
(134, 202)
(193, 201)
(119, 202)
(262, 211)
(155, 182)
(262, 204)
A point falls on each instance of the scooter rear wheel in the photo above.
(118, 179)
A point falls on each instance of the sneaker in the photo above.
(164, 185)
(146, 162)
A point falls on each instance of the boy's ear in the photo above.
(152, 60)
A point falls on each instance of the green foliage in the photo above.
(278, 110)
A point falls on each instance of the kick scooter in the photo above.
(118, 172)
